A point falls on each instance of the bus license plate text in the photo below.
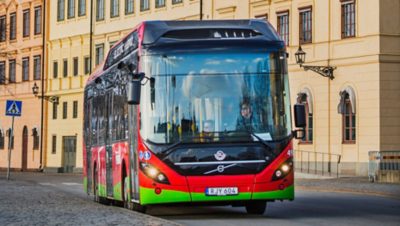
(222, 191)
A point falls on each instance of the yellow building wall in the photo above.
(369, 63)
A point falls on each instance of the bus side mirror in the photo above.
(299, 115)
(299, 121)
(133, 92)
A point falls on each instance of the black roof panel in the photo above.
(154, 30)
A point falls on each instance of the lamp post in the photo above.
(52, 99)
(325, 71)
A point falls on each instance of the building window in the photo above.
(25, 69)
(144, 5)
(35, 135)
(37, 63)
(75, 109)
(283, 26)
(348, 18)
(176, 1)
(128, 6)
(38, 20)
(114, 8)
(71, 9)
(65, 68)
(2, 28)
(262, 17)
(112, 44)
(160, 3)
(55, 109)
(305, 25)
(60, 10)
(55, 69)
(1, 139)
(26, 23)
(81, 7)
(306, 99)
(2, 72)
(87, 65)
(65, 110)
(53, 144)
(99, 53)
(76, 66)
(99, 10)
(13, 26)
(11, 71)
(347, 109)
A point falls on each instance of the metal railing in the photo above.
(317, 162)
(384, 166)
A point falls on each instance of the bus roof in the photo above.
(151, 32)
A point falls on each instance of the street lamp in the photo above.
(52, 99)
(326, 71)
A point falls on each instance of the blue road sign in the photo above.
(13, 108)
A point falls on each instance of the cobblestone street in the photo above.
(28, 203)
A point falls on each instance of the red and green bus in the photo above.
(192, 112)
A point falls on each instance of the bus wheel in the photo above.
(256, 207)
(127, 202)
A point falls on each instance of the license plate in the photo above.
(222, 191)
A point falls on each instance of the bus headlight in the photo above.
(152, 172)
(283, 170)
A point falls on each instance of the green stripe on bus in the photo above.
(148, 196)
(288, 193)
(202, 197)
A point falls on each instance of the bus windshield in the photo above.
(215, 97)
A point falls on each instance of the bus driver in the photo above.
(246, 121)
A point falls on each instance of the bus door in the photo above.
(133, 135)
(108, 144)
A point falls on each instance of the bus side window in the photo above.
(125, 113)
(114, 116)
(94, 121)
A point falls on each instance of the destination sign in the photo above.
(122, 49)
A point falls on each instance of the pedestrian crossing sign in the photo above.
(13, 108)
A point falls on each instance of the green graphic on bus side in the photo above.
(117, 189)
(102, 190)
(85, 185)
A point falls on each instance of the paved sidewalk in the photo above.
(345, 184)
(29, 203)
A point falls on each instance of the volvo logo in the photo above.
(220, 155)
(220, 168)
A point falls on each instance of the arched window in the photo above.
(35, 135)
(347, 109)
(304, 97)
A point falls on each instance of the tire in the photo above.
(256, 207)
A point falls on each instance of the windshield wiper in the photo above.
(170, 148)
(270, 149)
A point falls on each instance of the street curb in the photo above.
(349, 191)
